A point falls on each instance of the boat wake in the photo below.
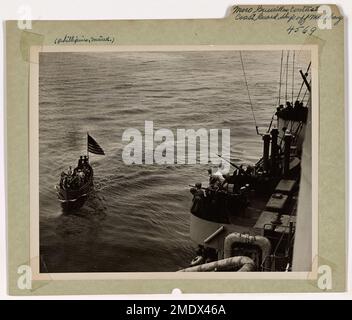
(93, 207)
(85, 220)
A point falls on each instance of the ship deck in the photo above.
(260, 213)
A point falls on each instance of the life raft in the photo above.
(197, 260)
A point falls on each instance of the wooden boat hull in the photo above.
(74, 199)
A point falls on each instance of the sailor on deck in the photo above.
(198, 195)
(216, 179)
(288, 105)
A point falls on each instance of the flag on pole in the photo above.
(93, 146)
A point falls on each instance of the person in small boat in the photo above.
(62, 179)
(81, 176)
(80, 162)
(75, 182)
(64, 183)
(71, 179)
(87, 170)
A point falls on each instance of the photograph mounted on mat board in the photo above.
(183, 151)
(202, 166)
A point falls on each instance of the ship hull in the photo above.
(72, 200)
(70, 206)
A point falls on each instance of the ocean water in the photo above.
(137, 219)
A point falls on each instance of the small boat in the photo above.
(75, 185)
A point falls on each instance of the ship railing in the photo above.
(214, 234)
(274, 257)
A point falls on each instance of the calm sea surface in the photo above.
(138, 217)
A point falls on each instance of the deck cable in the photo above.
(249, 96)
(287, 59)
(293, 74)
(279, 97)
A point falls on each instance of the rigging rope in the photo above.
(279, 98)
(305, 92)
(288, 55)
(293, 73)
(282, 56)
(249, 96)
(308, 100)
(299, 93)
(271, 122)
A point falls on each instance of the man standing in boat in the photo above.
(80, 162)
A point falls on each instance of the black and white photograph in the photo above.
(175, 160)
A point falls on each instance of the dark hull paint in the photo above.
(74, 199)
(71, 206)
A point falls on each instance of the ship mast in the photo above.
(305, 80)
(87, 146)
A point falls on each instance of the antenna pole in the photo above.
(87, 146)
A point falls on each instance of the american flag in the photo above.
(94, 147)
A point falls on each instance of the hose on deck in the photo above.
(239, 263)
